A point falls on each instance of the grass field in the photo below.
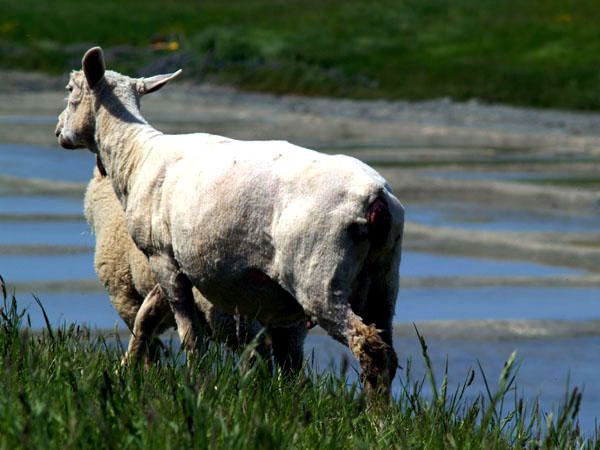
(64, 388)
(541, 52)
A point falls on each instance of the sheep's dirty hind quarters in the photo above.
(377, 358)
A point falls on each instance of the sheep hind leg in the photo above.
(178, 290)
(147, 320)
(377, 358)
(288, 347)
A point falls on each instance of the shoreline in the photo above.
(485, 330)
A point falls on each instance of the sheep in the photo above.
(275, 231)
(126, 275)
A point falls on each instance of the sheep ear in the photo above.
(93, 66)
(154, 83)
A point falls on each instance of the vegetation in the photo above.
(540, 52)
(64, 388)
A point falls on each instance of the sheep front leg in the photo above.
(147, 320)
(377, 358)
(178, 290)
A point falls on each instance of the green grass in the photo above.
(64, 388)
(539, 52)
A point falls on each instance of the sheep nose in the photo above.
(57, 131)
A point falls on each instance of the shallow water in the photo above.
(51, 163)
(66, 232)
(492, 218)
(421, 264)
(92, 309)
(497, 303)
(414, 304)
(27, 268)
(40, 205)
(490, 175)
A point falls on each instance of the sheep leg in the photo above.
(154, 348)
(380, 312)
(178, 290)
(148, 318)
(377, 358)
(248, 332)
(288, 347)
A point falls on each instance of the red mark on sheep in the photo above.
(379, 222)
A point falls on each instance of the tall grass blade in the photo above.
(46, 319)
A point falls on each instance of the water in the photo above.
(44, 239)
(50, 163)
(41, 205)
(496, 218)
(498, 303)
(420, 264)
(61, 232)
(92, 309)
(22, 268)
(493, 175)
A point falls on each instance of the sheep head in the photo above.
(94, 87)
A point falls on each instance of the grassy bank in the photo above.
(63, 388)
(540, 52)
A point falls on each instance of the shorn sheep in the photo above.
(274, 231)
(124, 271)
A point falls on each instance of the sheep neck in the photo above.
(122, 142)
